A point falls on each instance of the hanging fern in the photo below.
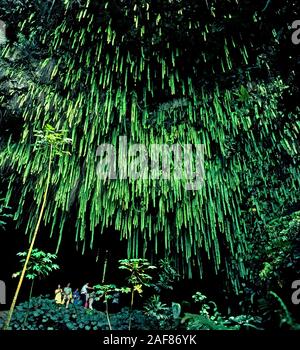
(102, 81)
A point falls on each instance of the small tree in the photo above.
(154, 307)
(39, 266)
(105, 291)
(52, 143)
(138, 278)
(166, 277)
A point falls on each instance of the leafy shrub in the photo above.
(273, 308)
(277, 252)
(45, 314)
(166, 316)
(283, 248)
(166, 277)
(40, 264)
(139, 320)
(105, 292)
(139, 277)
(197, 322)
(244, 322)
(209, 318)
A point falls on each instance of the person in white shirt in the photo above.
(85, 293)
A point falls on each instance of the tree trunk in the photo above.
(11, 310)
(131, 306)
(107, 315)
(29, 305)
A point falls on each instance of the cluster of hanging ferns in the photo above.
(120, 68)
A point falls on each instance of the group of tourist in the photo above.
(65, 296)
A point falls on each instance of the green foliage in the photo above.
(138, 269)
(277, 251)
(283, 247)
(200, 322)
(50, 137)
(103, 69)
(104, 291)
(166, 277)
(199, 297)
(272, 305)
(41, 264)
(53, 142)
(154, 307)
(166, 316)
(207, 308)
(4, 214)
(209, 318)
(45, 314)
(285, 315)
(244, 322)
(138, 278)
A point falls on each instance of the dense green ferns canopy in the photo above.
(156, 72)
